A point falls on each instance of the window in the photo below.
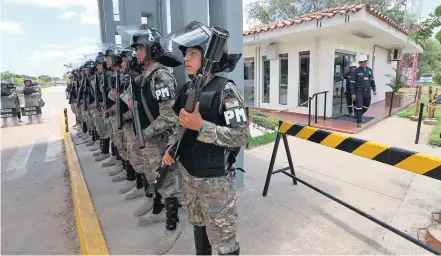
(118, 39)
(143, 20)
(266, 80)
(249, 82)
(304, 60)
(115, 4)
(283, 81)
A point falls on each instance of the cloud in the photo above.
(88, 16)
(61, 56)
(67, 15)
(10, 27)
(87, 40)
(56, 46)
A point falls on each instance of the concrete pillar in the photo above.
(183, 12)
(107, 22)
(228, 14)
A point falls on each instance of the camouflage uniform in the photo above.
(151, 155)
(117, 135)
(98, 114)
(211, 202)
(108, 130)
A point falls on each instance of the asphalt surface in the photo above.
(37, 214)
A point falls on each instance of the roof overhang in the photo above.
(361, 27)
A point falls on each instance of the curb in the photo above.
(89, 231)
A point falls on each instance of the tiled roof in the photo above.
(330, 13)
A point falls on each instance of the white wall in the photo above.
(322, 53)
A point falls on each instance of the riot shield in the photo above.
(30, 104)
(8, 107)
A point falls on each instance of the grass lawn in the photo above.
(266, 122)
(434, 138)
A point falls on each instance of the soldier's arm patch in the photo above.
(163, 86)
(234, 113)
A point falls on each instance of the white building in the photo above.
(287, 62)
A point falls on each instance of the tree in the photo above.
(437, 78)
(43, 79)
(270, 11)
(429, 61)
(427, 27)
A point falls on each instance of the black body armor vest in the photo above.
(153, 105)
(200, 159)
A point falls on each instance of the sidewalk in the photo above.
(291, 219)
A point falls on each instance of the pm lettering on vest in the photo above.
(235, 117)
(163, 94)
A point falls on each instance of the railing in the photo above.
(314, 96)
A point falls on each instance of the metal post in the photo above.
(271, 166)
(341, 97)
(420, 118)
(316, 111)
(309, 111)
(324, 113)
(391, 102)
(288, 155)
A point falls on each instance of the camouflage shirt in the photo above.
(160, 79)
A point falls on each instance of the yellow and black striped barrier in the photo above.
(408, 160)
(426, 165)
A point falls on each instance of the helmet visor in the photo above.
(194, 34)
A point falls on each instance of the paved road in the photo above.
(37, 212)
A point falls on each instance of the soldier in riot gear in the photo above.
(30, 90)
(91, 95)
(215, 131)
(73, 95)
(82, 103)
(157, 118)
(98, 114)
(10, 106)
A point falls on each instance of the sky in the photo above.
(39, 36)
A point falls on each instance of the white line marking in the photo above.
(17, 167)
(54, 148)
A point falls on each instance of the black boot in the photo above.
(84, 127)
(146, 185)
(157, 203)
(118, 156)
(131, 173)
(201, 242)
(106, 143)
(130, 180)
(112, 149)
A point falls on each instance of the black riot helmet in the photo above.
(149, 38)
(4, 84)
(100, 59)
(27, 80)
(131, 60)
(197, 35)
(90, 67)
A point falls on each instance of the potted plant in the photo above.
(396, 83)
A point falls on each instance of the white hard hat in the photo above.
(353, 64)
(362, 58)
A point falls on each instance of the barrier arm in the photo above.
(419, 163)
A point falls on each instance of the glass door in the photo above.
(341, 66)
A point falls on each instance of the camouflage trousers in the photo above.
(211, 202)
(79, 111)
(73, 108)
(90, 112)
(135, 155)
(109, 128)
(98, 121)
(152, 159)
(118, 138)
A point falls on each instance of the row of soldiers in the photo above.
(8, 89)
(131, 109)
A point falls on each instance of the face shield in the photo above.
(194, 34)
